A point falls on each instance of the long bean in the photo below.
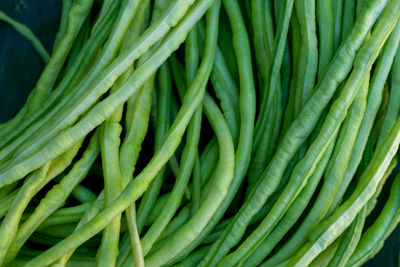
(393, 107)
(111, 46)
(292, 214)
(256, 133)
(375, 233)
(189, 155)
(97, 206)
(349, 210)
(55, 197)
(332, 176)
(8, 228)
(100, 111)
(373, 102)
(118, 33)
(220, 187)
(349, 241)
(301, 128)
(326, 24)
(136, 188)
(72, 77)
(75, 14)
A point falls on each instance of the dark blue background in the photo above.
(20, 67)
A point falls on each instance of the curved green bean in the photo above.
(304, 124)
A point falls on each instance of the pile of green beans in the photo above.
(206, 133)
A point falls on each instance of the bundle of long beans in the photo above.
(206, 133)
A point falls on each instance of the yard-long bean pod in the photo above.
(246, 106)
(164, 96)
(300, 129)
(332, 176)
(273, 79)
(100, 111)
(373, 102)
(55, 197)
(262, 131)
(135, 188)
(8, 227)
(326, 26)
(109, 137)
(111, 46)
(338, 14)
(72, 77)
(74, 13)
(349, 13)
(308, 58)
(293, 212)
(223, 169)
(375, 233)
(189, 155)
(113, 42)
(83, 194)
(34, 182)
(66, 6)
(348, 241)
(97, 206)
(210, 204)
(258, 18)
(164, 84)
(393, 108)
(355, 203)
(77, 15)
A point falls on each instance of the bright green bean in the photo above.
(103, 109)
(374, 100)
(258, 18)
(348, 241)
(109, 143)
(308, 54)
(83, 194)
(349, 13)
(292, 214)
(345, 214)
(91, 212)
(393, 107)
(161, 128)
(188, 158)
(303, 126)
(376, 233)
(326, 26)
(332, 177)
(55, 198)
(214, 197)
(110, 49)
(72, 78)
(136, 187)
(338, 14)
(9, 225)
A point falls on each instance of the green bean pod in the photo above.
(303, 126)
(332, 176)
(55, 198)
(9, 225)
(292, 214)
(376, 232)
(105, 108)
(137, 187)
(348, 241)
(345, 214)
(374, 100)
